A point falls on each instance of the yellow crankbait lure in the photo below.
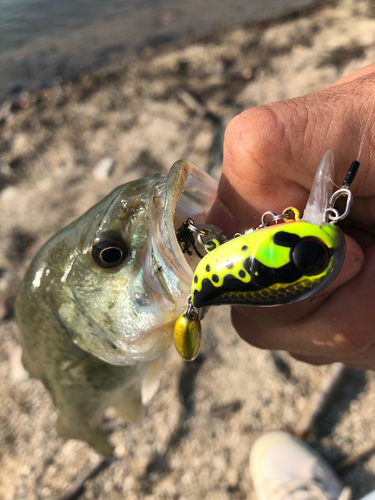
(275, 265)
(272, 264)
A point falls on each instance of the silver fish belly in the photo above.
(98, 303)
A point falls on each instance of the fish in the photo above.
(97, 305)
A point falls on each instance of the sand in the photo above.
(172, 102)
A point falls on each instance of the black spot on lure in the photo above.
(271, 265)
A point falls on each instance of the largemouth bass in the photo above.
(98, 303)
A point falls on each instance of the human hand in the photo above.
(271, 154)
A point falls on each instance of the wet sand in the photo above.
(171, 102)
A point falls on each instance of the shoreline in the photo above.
(100, 45)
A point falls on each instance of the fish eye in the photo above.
(108, 250)
(310, 256)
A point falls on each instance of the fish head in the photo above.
(117, 274)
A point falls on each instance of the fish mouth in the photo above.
(190, 193)
(185, 192)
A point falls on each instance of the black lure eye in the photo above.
(108, 250)
(310, 256)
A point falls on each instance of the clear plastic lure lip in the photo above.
(321, 191)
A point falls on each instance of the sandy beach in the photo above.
(172, 102)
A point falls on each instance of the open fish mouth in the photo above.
(190, 192)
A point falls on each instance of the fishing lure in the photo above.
(284, 260)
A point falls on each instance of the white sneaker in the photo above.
(285, 468)
(369, 496)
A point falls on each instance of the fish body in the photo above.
(98, 303)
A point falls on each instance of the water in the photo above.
(43, 38)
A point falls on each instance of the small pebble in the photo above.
(17, 371)
(9, 193)
(103, 169)
(219, 463)
(232, 477)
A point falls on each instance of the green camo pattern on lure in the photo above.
(272, 264)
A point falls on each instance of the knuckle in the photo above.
(252, 131)
(266, 132)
